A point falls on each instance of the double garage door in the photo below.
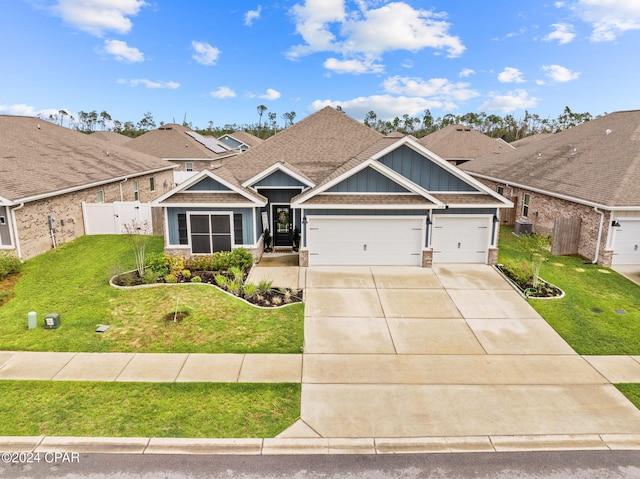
(395, 241)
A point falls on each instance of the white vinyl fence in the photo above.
(111, 218)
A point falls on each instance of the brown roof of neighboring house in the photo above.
(176, 141)
(596, 162)
(246, 138)
(40, 159)
(530, 139)
(112, 136)
(317, 145)
(461, 142)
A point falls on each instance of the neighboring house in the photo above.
(582, 185)
(459, 143)
(355, 196)
(530, 139)
(180, 146)
(48, 171)
(240, 140)
(111, 136)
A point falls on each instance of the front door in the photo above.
(282, 225)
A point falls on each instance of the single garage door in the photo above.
(461, 239)
(365, 241)
(626, 242)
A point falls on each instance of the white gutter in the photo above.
(595, 260)
(120, 186)
(14, 224)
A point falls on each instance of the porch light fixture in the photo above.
(429, 222)
(304, 220)
(615, 224)
(495, 219)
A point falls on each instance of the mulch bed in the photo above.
(542, 290)
(273, 297)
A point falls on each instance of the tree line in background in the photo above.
(495, 126)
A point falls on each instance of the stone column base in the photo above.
(303, 258)
(427, 258)
(493, 256)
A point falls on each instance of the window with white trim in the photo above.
(210, 232)
(525, 204)
(188, 166)
(100, 196)
(152, 183)
(136, 191)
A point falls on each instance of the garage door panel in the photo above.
(365, 241)
(460, 239)
(626, 243)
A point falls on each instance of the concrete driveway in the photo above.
(450, 351)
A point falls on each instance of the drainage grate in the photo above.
(620, 311)
(596, 310)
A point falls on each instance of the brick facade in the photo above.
(545, 209)
(32, 220)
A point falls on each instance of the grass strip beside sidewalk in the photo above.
(193, 410)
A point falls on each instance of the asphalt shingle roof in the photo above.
(317, 145)
(40, 158)
(462, 142)
(598, 162)
(172, 141)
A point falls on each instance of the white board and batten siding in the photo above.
(111, 218)
(461, 238)
(358, 240)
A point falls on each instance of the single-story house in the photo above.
(240, 140)
(190, 151)
(459, 143)
(48, 171)
(354, 196)
(581, 185)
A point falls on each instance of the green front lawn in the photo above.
(587, 287)
(195, 410)
(73, 282)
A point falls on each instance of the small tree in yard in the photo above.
(138, 233)
(537, 249)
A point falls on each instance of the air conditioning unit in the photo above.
(523, 227)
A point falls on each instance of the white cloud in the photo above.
(439, 89)
(466, 72)
(386, 107)
(510, 75)
(356, 67)
(223, 92)
(271, 94)
(563, 33)
(252, 15)
(123, 52)
(98, 16)
(171, 85)
(515, 100)
(560, 74)
(205, 54)
(327, 26)
(609, 18)
(19, 109)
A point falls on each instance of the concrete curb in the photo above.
(287, 446)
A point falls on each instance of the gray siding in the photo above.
(279, 178)
(208, 184)
(247, 222)
(5, 236)
(423, 171)
(368, 181)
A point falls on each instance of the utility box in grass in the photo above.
(52, 321)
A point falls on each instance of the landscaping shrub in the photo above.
(157, 263)
(240, 258)
(196, 279)
(9, 264)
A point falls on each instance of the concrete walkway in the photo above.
(395, 360)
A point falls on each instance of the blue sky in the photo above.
(216, 61)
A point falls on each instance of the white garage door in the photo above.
(365, 241)
(626, 242)
(461, 239)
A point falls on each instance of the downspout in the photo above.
(14, 224)
(120, 185)
(600, 228)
